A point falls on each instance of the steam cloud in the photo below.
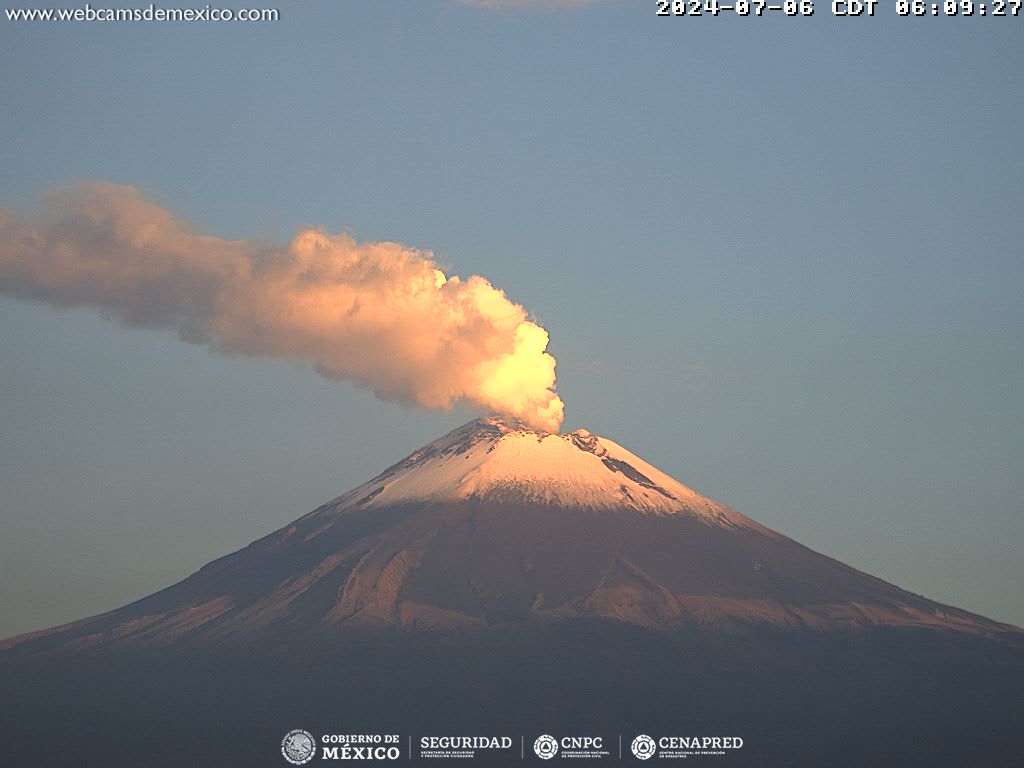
(377, 313)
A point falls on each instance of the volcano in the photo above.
(502, 577)
(495, 524)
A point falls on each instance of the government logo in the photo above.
(546, 747)
(298, 747)
(644, 747)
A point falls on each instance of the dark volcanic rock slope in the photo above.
(496, 525)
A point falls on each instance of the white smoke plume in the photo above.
(377, 313)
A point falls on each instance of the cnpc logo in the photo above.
(545, 747)
(548, 746)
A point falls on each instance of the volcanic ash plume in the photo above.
(380, 314)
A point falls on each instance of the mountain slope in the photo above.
(505, 582)
(497, 525)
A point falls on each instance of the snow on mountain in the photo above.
(493, 460)
(497, 525)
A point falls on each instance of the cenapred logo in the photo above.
(644, 747)
(546, 747)
(298, 746)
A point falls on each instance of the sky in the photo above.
(780, 258)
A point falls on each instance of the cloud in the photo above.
(380, 314)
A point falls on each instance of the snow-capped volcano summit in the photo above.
(493, 460)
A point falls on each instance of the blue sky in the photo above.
(780, 258)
